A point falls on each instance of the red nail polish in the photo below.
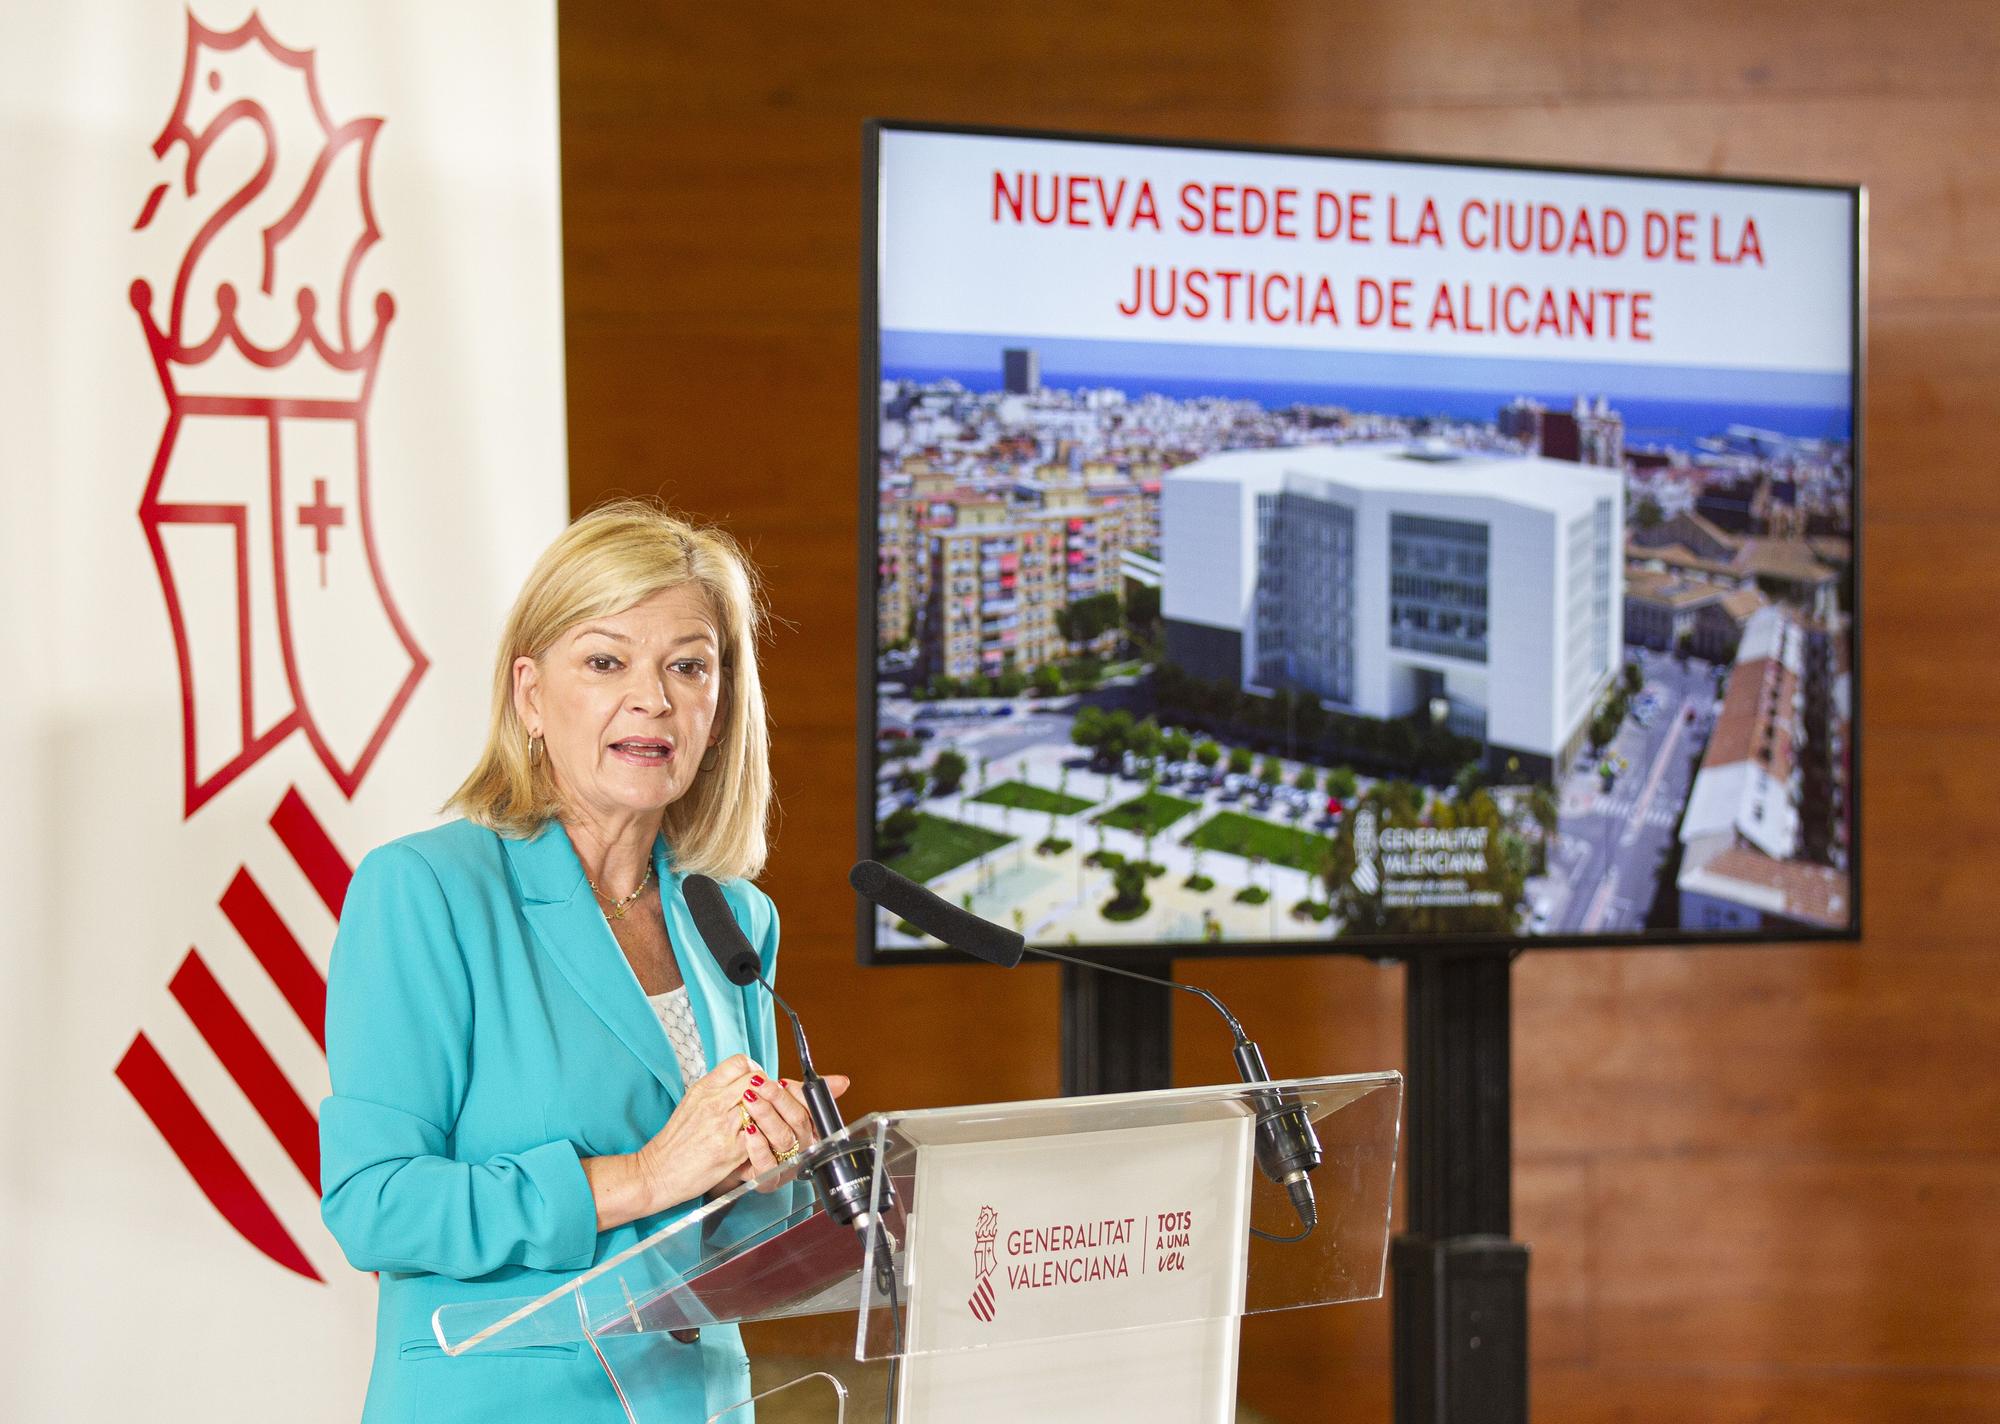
(755, 1081)
(749, 1097)
(783, 1084)
(751, 1128)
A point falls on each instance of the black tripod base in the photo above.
(1461, 1325)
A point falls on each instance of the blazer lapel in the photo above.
(563, 913)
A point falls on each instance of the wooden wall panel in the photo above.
(1756, 1182)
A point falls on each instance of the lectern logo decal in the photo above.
(256, 512)
(984, 1234)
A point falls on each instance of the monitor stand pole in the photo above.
(1117, 1034)
(1460, 1311)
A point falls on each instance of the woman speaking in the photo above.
(535, 1059)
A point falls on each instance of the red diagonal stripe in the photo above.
(296, 976)
(250, 1064)
(221, 1178)
(313, 849)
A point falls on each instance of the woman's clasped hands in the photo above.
(734, 1124)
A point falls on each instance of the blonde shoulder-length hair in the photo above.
(615, 556)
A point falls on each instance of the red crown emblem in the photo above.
(240, 91)
(268, 371)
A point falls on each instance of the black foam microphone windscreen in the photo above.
(719, 931)
(936, 917)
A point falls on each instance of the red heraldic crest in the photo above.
(257, 508)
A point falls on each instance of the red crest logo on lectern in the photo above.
(268, 358)
(984, 1234)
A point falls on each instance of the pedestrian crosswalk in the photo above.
(1620, 806)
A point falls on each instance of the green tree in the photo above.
(1603, 728)
(1118, 729)
(1470, 778)
(1403, 799)
(1083, 673)
(1177, 745)
(1240, 760)
(947, 772)
(1087, 728)
(1088, 619)
(896, 833)
(1546, 811)
(1208, 754)
(1145, 740)
(1648, 513)
(1634, 678)
(1128, 882)
(1272, 771)
(1142, 609)
(1342, 782)
(1307, 779)
(1048, 680)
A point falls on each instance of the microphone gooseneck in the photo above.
(1287, 1148)
(844, 1174)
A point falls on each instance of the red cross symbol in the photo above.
(320, 517)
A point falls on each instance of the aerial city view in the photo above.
(1176, 659)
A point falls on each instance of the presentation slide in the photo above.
(1275, 549)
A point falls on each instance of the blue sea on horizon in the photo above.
(1648, 420)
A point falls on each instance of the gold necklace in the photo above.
(615, 909)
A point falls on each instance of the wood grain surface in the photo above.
(1759, 1183)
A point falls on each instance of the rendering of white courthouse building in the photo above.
(1389, 580)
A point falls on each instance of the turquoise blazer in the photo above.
(485, 1034)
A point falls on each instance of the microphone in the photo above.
(845, 1174)
(935, 916)
(1288, 1150)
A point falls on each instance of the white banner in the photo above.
(1104, 241)
(281, 428)
(1090, 1278)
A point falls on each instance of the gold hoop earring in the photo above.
(708, 759)
(532, 739)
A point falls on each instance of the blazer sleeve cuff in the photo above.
(557, 1173)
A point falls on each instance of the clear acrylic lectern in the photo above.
(1070, 1259)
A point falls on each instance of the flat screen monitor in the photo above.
(1274, 551)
